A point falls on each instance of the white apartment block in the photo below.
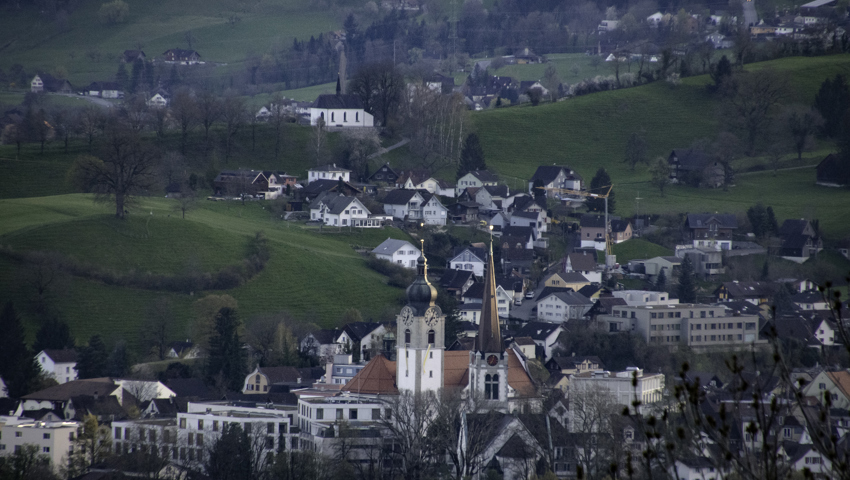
(53, 439)
(319, 419)
(645, 297)
(649, 386)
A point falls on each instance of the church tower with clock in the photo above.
(488, 361)
(420, 337)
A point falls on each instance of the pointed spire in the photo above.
(489, 331)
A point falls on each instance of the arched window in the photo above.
(491, 387)
(407, 336)
(332, 116)
(257, 379)
(344, 116)
(431, 336)
(356, 116)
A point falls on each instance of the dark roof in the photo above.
(497, 190)
(592, 221)
(319, 186)
(484, 176)
(741, 307)
(571, 362)
(792, 227)
(68, 355)
(750, 289)
(582, 261)
(329, 167)
(170, 407)
(590, 290)
(517, 231)
(399, 197)
(454, 279)
(537, 330)
(569, 297)
(277, 398)
(525, 201)
(604, 305)
(619, 225)
(690, 159)
(358, 330)
(336, 202)
(190, 387)
(703, 220)
(548, 291)
(68, 390)
(478, 252)
(326, 336)
(181, 347)
(180, 53)
(339, 101)
(280, 374)
(100, 406)
(546, 173)
(528, 215)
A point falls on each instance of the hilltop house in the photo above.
(477, 179)
(416, 206)
(696, 168)
(182, 57)
(61, 365)
(158, 100)
(44, 82)
(328, 172)
(708, 230)
(332, 208)
(555, 177)
(400, 252)
(799, 240)
(469, 258)
(340, 111)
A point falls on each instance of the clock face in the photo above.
(431, 316)
(492, 360)
(406, 315)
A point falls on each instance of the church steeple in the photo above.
(421, 294)
(489, 333)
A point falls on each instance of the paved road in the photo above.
(750, 15)
(391, 147)
(95, 100)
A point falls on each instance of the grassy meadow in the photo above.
(311, 275)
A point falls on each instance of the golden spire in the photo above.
(489, 331)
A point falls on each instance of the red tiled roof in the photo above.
(377, 377)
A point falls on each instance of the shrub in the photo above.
(114, 12)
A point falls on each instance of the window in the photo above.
(118, 433)
(269, 443)
(199, 440)
(376, 414)
(45, 449)
(182, 423)
(407, 336)
(356, 116)
(257, 379)
(320, 414)
(352, 414)
(431, 336)
(215, 425)
(152, 436)
(200, 424)
(339, 414)
(332, 116)
(491, 387)
(191, 438)
(344, 116)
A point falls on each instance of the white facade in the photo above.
(157, 101)
(645, 297)
(466, 260)
(328, 172)
(504, 301)
(421, 343)
(433, 212)
(355, 214)
(400, 252)
(410, 209)
(342, 117)
(372, 341)
(553, 309)
(62, 372)
(36, 85)
(470, 180)
(53, 439)
(648, 390)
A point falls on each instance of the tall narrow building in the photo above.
(488, 362)
(421, 336)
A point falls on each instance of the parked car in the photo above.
(529, 294)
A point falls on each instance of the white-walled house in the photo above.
(341, 111)
(562, 305)
(340, 211)
(400, 252)
(415, 205)
(328, 172)
(61, 365)
(52, 439)
(477, 179)
(157, 101)
(536, 220)
(469, 258)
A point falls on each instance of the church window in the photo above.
(491, 387)
(431, 336)
(407, 336)
(430, 374)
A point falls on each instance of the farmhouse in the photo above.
(182, 57)
(400, 252)
(695, 167)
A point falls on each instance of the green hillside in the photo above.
(591, 131)
(313, 276)
(88, 50)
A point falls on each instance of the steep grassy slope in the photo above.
(591, 131)
(313, 276)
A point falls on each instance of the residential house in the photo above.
(340, 111)
(654, 266)
(514, 255)
(554, 177)
(61, 365)
(368, 337)
(341, 370)
(185, 349)
(328, 172)
(544, 334)
(318, 187)
(695, 468)
(130, 56)
(799, 240)
(322, 344)
(468, 258)
(477, 179)
(695, 167)
(415, 206)
(592, 231)
(490, 197)
(573, 280)
(36, 84)
(158, 100)
(561, 305)
(45, 82)
(262, 379)
(334, 209)
(649, 387)
(499, 221)
(433, 211)
(504, 299)
(536, 220)
(603, 306)
(457, 281)
(755, 292)
(439, 83)
(831, 172)
(525, 56)
(400, 252)
(279, 182)
(105, 90)
(707, 230)
(644, 297)
(182, 57)
(421, 179)
(812, 329)
(719, 41)
(621, 230)
(384, 174)
(240, 182)
(464, 212)
(574, 365)
(835, 384)
(584, 264)
(521, 236)
(707, 262)
(527, 85)
(810, 300)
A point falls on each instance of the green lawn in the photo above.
(313, 276)
(639, 248)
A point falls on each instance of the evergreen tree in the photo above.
(471, 157)
(765, 271)
(121, 77)
(136, 75)
(92, 359)
(661, 281)
(833, 101)
(687, 289)
(721, 71)
(54, 334)
(226, 357)
(119, 361)
(601, 179)
(770, 221)
(18, 367)
(230, 457)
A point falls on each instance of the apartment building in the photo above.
(320, 417)
(649, 387)
(694, 325)
(52, 439)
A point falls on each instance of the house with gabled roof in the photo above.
(831, 172)
(560, 305)
(263, 378)
(130, 56)
(539, 221)
(328, 172)
(340, 111)
(242, 181)
(400, 252)
(321, 343)
(318, 187)
(468, 258)
(504, 298)
(182, 57)
(384, 174)
(491, 197)
(592, 231)
(556, 177)
(457, 281)
(710, 230)
(61, 365)
(338, 210)
(368, 335)
(799, 240)
(544, 334)
(695, 167)
(584, 264)
(477, 179)
(573, 280)
(524, 236)
(621, 230)
(755, 292)
(574, 364)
